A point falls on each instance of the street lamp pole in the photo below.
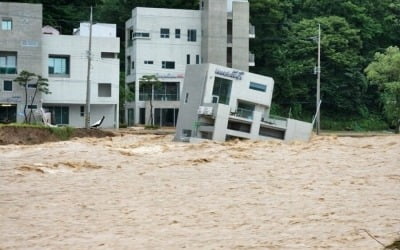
(318, 80)
(89, 55)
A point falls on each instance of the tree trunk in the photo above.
(31, 109)
(397, 131)
(26, 102)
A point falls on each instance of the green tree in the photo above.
(384, 71)
(29, 80)
(150, 82)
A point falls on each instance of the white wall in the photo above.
(72, 89)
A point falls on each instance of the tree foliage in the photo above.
(384, 71)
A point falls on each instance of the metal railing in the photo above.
(252, 58)
(244, 113)
(275, 121)
(252, 30)
(166, 97)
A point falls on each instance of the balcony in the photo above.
(275, 121)
(252, 61)
(252, 31)
(243, 113)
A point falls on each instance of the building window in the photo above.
(59, 114)
(186, 97)
(222, 90)
(168, 65)
(258, 86)
(164, 33)
(7, 85)
(58, 65)
(177, 33)
(128, 65)
(192, 35)
(8, 62)
(82, 111)
(104, 90)
(108, 55)
(133, 64)
(6, 24)
(141, 35)
(197, 59)
(187, 59)
(32, 106)
(148, 62)
(168, 91)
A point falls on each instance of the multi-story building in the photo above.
(63, 60)
(20, 49)
(220, 103)
(65, 66)
(162, 42)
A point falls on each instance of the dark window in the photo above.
(168, 65)
(8, 62)
(59, 65)
(6, 24)
(148, 62)
(164, 33)
(108, 55)
(186, 97)
(258, 86)
(59, 114)
(197, 59)
(7, 85)
(187, 59)
(82, 111)
(104, 90)
(32, 106)
(128, 66)
(133, 64)
(141, 35)
(177, 33)
(222, 90)
(192, 35)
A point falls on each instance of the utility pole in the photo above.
(89, 54)
(318, 80)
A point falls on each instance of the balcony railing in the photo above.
(252, 31)
(252, 61)
(244, 113)
(159, 97)
(8, 70)
(275, 121)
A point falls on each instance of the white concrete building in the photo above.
(162, 42)
(65, 66)
(220, 103)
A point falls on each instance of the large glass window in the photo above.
(7, 85)
(8, 62)
(59, 65)
(6, 24)
(192, 35)
(59, 114)
(164, 33)
(169, 91)
(222, 90)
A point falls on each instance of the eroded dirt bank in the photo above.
(146, 192)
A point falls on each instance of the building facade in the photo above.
(220, 103)
(20, 49)
(65, 66)
(162, 42)
(62, 59)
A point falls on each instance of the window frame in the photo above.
(59, 57)
(104, 84)
(164, 33)
(192, 35)
(168, 64)
(4, 85)
(177, 33)
(6, 23)
(258, 86)
(8, 68)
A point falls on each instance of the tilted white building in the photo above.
(65, 66)
(220, 103)
(162, 42)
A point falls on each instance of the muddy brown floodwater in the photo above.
(147, 192)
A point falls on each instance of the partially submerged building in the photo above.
(162, 42)
(25, 45)
(221, 103)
